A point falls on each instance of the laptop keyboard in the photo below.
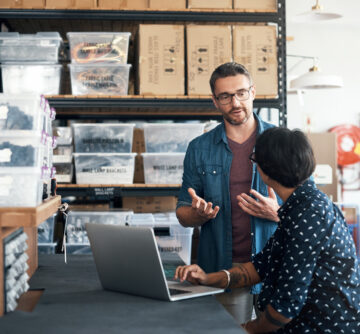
(174, 292)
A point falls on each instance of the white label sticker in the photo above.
(5, 155)
(5, 185)
(323, 174)
(4, 111)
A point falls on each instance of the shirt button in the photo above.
(214, 171)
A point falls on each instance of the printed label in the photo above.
(5, 155)
(5, 185)
(3, 111)
(323, 174)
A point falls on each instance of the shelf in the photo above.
(29, 217)
(186, 15)
(117, 190)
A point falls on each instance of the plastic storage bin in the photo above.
(46, 230)
(107, 138)
(18, 112)
(64, 135)
(47, 248)
(99, 79)
(104, 168)
(20, 187)
(163, 168)
(75, 227)
(64, 168)
(170, 236)
(93, 47)
(31, 78)
(21, 149)
(40, 47)
(170, 137)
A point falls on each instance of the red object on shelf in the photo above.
(348, 144)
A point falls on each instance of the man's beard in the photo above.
(234, 122)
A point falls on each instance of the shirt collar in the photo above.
(300, 192)
(220, 134)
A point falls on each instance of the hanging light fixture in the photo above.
(315, 15)
(314, 79)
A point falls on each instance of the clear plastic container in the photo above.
(46, 230)
(103, 137)
(20, 187)
(19, 112)
(170, 236)
(21, 149)
(31, 78)
(75, 226)
(40, 47)
(64, 168)
(78, 249)
(63, 134)
(99, 79)
(47, 248)
(170, 137)
(104, 168)
(94, 47)
(163, 168)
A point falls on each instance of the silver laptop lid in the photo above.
(121, 262)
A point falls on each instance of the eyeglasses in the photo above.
(251, 157)
(241, 95)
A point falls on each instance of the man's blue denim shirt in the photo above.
(207, 170)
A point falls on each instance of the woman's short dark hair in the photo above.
(284, 155)
(228, 70)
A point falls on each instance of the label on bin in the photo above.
(5, 185)
(107, 170)
(168, 167)
(4, 111)
(5, 155)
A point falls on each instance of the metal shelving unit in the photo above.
(140, 107)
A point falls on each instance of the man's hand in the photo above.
(193, 273)
(265, 207)
(202, 208)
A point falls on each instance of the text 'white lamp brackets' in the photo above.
(316, 14)
(314, 79)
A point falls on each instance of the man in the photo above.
(309, 268)
(216, 184)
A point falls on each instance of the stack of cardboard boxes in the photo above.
(261, 5)
(161, 69)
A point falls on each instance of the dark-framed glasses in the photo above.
(252, 158)
(240, 95)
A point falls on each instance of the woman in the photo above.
(309, 268)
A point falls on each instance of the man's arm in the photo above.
(269, 321)
(198, 213)
(241, 276)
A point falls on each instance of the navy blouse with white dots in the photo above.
(309, 267)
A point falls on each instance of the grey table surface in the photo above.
(74, 302)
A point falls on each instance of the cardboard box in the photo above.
(208, 46)
(150, 204)
(210, 3)
(123, 4)
(167, 4)
(85, 4)
(324, 147)
(255, 48)
(56, 4)
(29, 4)
(161, 59)
(258, 5)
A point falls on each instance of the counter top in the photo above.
(74, 302)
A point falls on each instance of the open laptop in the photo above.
(127, 260)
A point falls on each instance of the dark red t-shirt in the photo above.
(240, 182)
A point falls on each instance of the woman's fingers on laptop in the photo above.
(192, 273)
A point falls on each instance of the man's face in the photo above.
(235, 112)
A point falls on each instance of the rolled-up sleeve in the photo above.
(190, 178)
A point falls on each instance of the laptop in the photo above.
(127, 260)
